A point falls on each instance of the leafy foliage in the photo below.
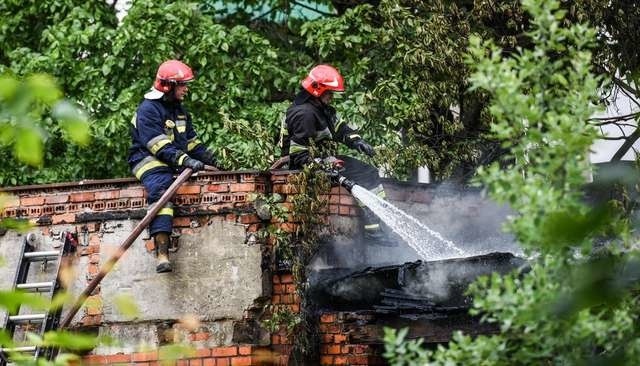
(577, 304)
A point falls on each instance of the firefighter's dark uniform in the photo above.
(308, 122)
(162, 135)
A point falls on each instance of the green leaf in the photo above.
(28, 147)
(44, 88)
(12, 300)
(73, 121)
(127, 306)
(70, 341)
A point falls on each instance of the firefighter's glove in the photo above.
(195, 165)
(364, 148)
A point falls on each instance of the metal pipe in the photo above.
(106, 268)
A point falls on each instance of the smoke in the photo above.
(464, 216)
(461, 215)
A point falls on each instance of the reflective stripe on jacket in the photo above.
(161, 135)
(309, 122)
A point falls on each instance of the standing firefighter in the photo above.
(312, 123)
(164, 142)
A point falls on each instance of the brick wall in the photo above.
(88, 207)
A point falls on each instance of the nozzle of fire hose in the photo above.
(346, 183)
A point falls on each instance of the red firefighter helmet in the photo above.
(171, 73)
(322, 78)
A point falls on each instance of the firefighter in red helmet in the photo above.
(163, 143)
(311, 120)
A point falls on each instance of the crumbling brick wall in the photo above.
(94, 209)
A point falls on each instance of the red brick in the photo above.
(200, 336)
(326, 360)
(275, 339)
(339, 338)
(253, 228)
(120, 357)
(340, 360)
(241, 361)
(203, 352)
(88, 250)
(222, 187)
(287, 299)
(353, 211)
(94, 239)
(145, 356)
(328, 318)
(333, 349)
(93, 269)
(92, 320)
(150, 245)
(347, 200)
(249, 219)
(27, 201)
(334, 209)
(327, 338)
(288, 227)
(343, 210)
(358, 360)
(290, 289)
(188, 189)
(242, 187)
(360, 348)
(94, 359)
(278, 289)
(107, 195)
(244, 350)
(195, 362)
(295, 308)
(182, 363)
(286, 278)
(182, 221)
(82, 197)
(68, 218)
(224, 351)
(94, 258)
(222, 362)
(132, 193)
(209, 362)
(276, 279)
(57, 199)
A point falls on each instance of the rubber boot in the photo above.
(162, 241)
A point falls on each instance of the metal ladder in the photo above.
(47, 320)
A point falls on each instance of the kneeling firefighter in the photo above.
(311, 120)
(163, 143)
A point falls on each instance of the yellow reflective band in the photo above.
(155, 144)
(181, 159)
(193, 144)
(145, 165)
(297, 148)
(354, 136)
(168, 211)
(181, 126)
(372, 227)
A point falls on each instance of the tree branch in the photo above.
(626, 145)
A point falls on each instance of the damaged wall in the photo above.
(222, 275)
